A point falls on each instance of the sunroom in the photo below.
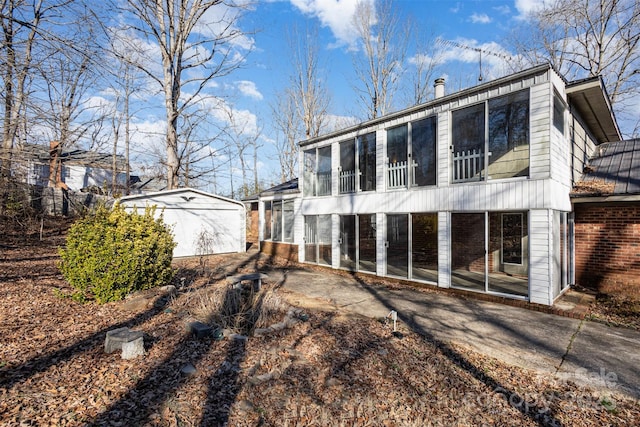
(468, 191)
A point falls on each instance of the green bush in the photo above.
(111, 253)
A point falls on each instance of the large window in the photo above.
(489, 252)
(317, 172)
(423, 149)
(367, 161)
(411, 154)
(494, 133)
(509, 136)
(358, 164)
(317, 239)
(279, 221)
(467, 130)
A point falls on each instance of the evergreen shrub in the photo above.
(111, 253)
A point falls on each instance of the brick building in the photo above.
(606, 204)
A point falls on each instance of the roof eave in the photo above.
(590, 98)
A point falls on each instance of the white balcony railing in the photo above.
(468, 165)
(398, 176)
(347, 181)
(324, 183)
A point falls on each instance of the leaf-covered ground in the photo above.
(324, 368)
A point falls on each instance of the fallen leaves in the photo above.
(332, 369)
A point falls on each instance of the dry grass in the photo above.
(238, 310)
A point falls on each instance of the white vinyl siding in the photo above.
(540, 243)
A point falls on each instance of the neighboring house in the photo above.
(606, 202)
(73, 170)
(467, 191)
(201, 223)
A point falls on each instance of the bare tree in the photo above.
(301, 108)
(586, 38)
(243, 137)
(286, 121)
(124, 88)
(378, 66)
(26, 28)
(191, 35)
(426, 60)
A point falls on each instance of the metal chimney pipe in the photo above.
(438, 86)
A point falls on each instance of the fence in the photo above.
(468, 165)
(347, 181)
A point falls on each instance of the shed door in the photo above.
(201, 232)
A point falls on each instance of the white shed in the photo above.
(202, 223)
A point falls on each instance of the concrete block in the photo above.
(133, 349)
(117, 337)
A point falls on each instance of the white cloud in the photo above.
(335, 14)
(248, 88)
(480, 18)
(494, 56)
(526, 7)
(456, 8)
(220, 21)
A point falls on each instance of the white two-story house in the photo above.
(467, 191)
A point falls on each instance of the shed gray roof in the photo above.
(615, 170)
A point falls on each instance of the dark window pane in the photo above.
(324, 239)
(424, 246)
(367, 243)
(348, 242)
(558, 113)
(397, 157)
(398, 245)
(509, 136)
(324, 171)
(467, 133)
(347, 167)
(367, 161)
(423, 147)
(468, 251)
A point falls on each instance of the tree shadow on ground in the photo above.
(543, 416)
(144, 401)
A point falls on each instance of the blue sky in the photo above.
(472, 23)
(249, 92)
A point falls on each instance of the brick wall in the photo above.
(607, 246)
(252, 222)
(286, 251)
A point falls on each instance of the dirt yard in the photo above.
(320, 367)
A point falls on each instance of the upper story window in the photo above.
(317, 172)
(558, 113)
(494, 133)
(411, 154)
(358, 164)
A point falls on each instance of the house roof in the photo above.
(42, 153)
(589, 96)
(289, 187)
(177, 192)
(614, 171)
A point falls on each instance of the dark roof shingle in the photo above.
(615, 170)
